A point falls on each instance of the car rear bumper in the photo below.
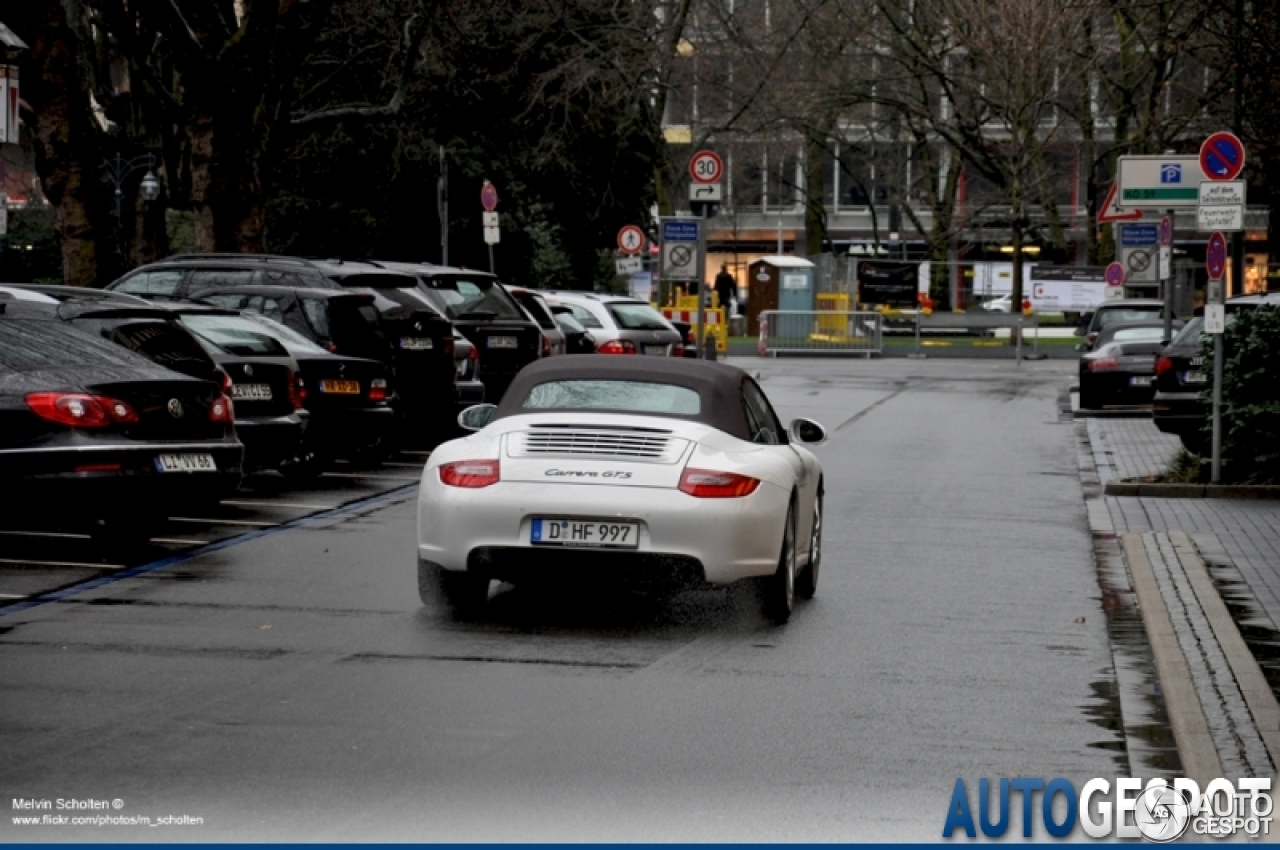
(469, 393)
(340, 433)
(488, 529)
(1178, 413)
(1117, 387)
(116, 477)
(270, 440)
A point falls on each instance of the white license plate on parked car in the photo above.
(656, 349)
(584, 532)
(1193, 378)
(251, 392)
(186, 463)
(416, 343)
(501, 342)
(1140, 381)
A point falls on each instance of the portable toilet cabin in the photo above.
(778, 283)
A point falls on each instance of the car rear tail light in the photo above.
(99, 467)
(546, 347)
(1163, 364)
(222, 411)
(677, 350)
(470, 473)
(297, 392)
(448, 345)
(1091, 339)
(473, 354)
(378, 389)
(1103, 364)
(81, 410)
(1159, 405)
(710, 484)
(332, 348)
(226, 383)
(617, 346)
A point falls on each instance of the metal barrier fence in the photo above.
(820, 332)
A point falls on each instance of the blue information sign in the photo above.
(680, 231)
(1133, 235)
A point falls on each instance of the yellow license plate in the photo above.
(344, 387)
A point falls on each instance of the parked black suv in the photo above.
(505, 337)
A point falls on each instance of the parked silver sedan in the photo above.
(619, 324)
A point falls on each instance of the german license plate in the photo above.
(584, 532)
(185, 463)
(341, 387)
(251, 392)
(417, 343)
(1140, 381)
(501, 342)
(660, 350)
(1193, 378)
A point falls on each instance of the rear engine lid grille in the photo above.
(652, 445)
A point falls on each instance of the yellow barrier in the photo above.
(833, 328)
(713, 321)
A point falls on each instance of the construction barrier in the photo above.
(713, 320)
(820, 332)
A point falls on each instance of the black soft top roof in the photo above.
(718, 385)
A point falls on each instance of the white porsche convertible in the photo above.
(675, 473)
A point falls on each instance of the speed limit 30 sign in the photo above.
(706, 167)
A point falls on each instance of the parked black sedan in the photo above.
(1180, 379)
(100, 434)
(1121, 368)
(347, 399)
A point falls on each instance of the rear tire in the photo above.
(1089, 399)
(807, 580)
(464, 593)
(780, 588)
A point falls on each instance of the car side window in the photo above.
(229, 302)
(163, 282)
(219, 278)
(582, 314)
(271, 309)
(761, 421)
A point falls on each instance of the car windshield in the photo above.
(161, 342)
(1190, 335)
(629, 396)
(1132, 334)
(471, 298)
(234, 335)
(637, 317)
(291, 339)
(533, 305)
(1127, 314)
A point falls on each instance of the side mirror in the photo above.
(476, 416)
(807, 431)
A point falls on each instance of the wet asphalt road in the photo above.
(292, 685)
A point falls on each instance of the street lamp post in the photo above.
(120, 169)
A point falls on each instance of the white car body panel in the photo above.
(733, 538)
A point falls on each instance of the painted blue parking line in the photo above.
(93, 584)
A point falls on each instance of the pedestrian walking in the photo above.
(727, 288)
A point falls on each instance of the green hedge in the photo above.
(1250, 396)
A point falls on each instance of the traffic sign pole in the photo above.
(1215, 265)
(1166, 282)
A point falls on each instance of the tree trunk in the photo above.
(815, 211)
(68, 155)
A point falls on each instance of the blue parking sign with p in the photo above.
(1171, 172)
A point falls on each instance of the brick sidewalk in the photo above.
(1249, 530)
